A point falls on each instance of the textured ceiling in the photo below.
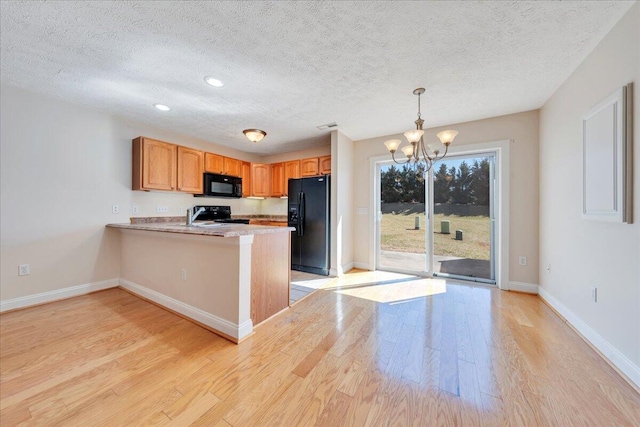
(291, 66)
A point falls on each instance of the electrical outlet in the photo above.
(594, 294)
(181, 210)
(183, 274)
(522, 260)
(162, 209)
(134, 209)
(115, 209)
(548, 268)
(24, 270)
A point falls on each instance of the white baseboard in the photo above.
(618, 359)
(58, 294)
(361, 265)
(529, 288)
(347, 267)
(217, 323)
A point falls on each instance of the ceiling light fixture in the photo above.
(254, 135)
(212, 81)
(162, 107)
(420, 156)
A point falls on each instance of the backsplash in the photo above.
(272, 206)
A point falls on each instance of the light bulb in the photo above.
(447, 136)
(392, 145)
(414, 135)
(408, 150)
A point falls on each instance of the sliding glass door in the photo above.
(442, 224)
(402, 220)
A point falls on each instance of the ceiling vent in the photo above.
(328, 126)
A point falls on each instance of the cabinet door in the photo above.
(325, 165)
(213, 163)
(158, 164)
(260, 180)
(277, 180)
(291, 171)
(246, 179)
(232, 167)
(309, 167)
(190, 169)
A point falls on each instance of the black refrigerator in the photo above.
(309, 213)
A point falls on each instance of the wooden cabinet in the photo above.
(268, 222)
(260, 179)
(309, 167)
(246, 179)
(277, 180)
(324, 165)
(232, 167)
(291, 171)
(154, 165)
(190, 169)
(213, 163)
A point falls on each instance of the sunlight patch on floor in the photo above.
(396, 291)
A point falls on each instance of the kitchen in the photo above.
(254, 279)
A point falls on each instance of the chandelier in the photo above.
(420, 156)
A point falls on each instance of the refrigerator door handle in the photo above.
(301, 214)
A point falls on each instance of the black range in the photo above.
(218, 214)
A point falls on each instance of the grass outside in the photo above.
(398, 234)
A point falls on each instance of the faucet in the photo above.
(191, 216)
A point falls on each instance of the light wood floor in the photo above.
(392, 353)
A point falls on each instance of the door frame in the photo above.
(501, 150)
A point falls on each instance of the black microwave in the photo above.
(216, 185)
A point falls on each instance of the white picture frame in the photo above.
(606, 147)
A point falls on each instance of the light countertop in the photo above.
(218, 230)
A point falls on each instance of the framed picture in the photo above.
(606, 158)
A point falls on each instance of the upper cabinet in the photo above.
(309, 167)
(159, 165)
(246, 179)
(232, 167)
(190, 169)
(277, 180)
(324, 164)
(291, 171)
(260, 174)
(215, 163)
(154, 165)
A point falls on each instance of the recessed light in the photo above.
(162, 107)
(213, 81)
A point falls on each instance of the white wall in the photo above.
(584, 253)
(522, 129)
(62, 168)
(342, 211)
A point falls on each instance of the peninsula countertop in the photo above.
(212, 229)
